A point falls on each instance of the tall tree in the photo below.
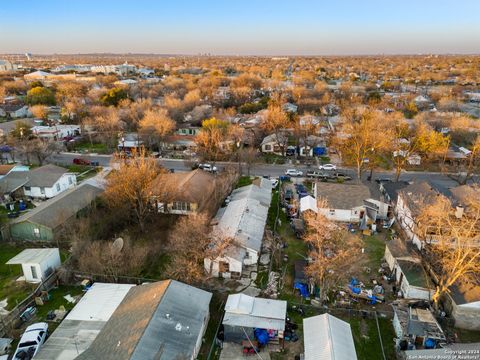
(277, 122)
(191, 242)
(452, 237)
(213, 138)
(360, 138)
(130, 186)
(331, 251)
(155, 125)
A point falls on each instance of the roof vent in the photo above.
(178, 327)
(167, 316)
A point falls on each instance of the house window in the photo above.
(58, 187)
(181, 206)
(42, 190)
(268, 147)
(70, 180)
(332, 211)
(27, 188)
(36, 232)
(34, 272)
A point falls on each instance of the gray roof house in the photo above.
(84, 322)
(243, 221)
(42, 223)
(159, 321)
(345, 201)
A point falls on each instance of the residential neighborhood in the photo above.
(281, 191)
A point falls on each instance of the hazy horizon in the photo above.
(267, 28)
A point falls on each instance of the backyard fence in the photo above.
(12, 319)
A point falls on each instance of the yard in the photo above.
(87, 147)
(12, 291)
(364, 329)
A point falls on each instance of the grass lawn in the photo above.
(375, 249)
(10, 289)
(244, 181)
(216, 312)
(57, 300)
(365, 336)
(93, 148)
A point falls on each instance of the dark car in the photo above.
(288, 195)
(383, 180)
(80, 161)
(318, 175)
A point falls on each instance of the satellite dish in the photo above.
(117, 245)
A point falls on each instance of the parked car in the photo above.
(80, 161)
(31, 341)
(328, 167)
(317, 174)
(343, 176)
(383, 180)
(293, 172)
(274, 183)
(288, 195)
(208, 167)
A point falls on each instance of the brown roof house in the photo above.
(185, 193)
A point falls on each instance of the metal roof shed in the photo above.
(247, 311)
(37, 264)
(328, 338)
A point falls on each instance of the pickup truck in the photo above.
(31, 340)
(317, 175)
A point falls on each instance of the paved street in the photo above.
(261, 169)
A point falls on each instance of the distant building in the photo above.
(7, 66)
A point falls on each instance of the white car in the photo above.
(208, 167)
(31, 341)
(293, 172)
(274, 183)
(327, 167)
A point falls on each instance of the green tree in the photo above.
(22, 130)
(113, 96)
(40, 96)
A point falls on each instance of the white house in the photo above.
(243, 220)
(37, 264)
(413, 280)
(345, 201)
(463, 303)
(308, 203)
(328, 338)
(14, 111)
(48, 181)
(56, 132)
(271, 145)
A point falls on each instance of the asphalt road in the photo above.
(259, 169)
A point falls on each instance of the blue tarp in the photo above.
(303, 288)
(262, 336)
(319, 151)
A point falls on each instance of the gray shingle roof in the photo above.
(45, 176)
(56, 211)
(157, 321)
(343, 196)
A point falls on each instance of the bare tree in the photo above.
(332, 249)
(190, 243)
(130, 186)
(155, 125)
(452, 239)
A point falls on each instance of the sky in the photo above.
(240, 27)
